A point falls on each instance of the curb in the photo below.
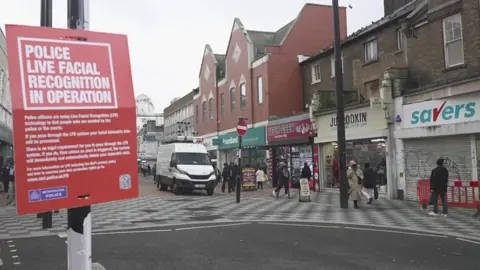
(293, 222)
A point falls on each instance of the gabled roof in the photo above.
(383, 22)
(215, 58)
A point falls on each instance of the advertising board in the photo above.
(74, 118)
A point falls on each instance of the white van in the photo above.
(184, 166)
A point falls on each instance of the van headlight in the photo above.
(181, 171)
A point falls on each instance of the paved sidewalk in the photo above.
(169, 210)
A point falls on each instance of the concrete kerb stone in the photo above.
(293, 222)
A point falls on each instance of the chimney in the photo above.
(391, 6)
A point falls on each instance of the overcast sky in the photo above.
(167, 38)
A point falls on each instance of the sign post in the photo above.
(340, 108)
(74, 123)
(242, 128)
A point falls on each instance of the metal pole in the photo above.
(46, 21)
(340, 108)
(239, 179)
(79, 237)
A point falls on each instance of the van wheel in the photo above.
(210, 191)
(163, 187)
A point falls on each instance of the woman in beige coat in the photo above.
(354, 176)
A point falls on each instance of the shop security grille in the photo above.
(420, 156)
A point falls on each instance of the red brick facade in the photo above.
(269, 55)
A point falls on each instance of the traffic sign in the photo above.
(242, 127)
(74, 114)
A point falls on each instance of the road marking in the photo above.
(15, 257)
(301, 225)
(62, 235)
(210, 226)
(1, 262)
(16, 263)
(469, 241)
(13, 250)
(128, 232)
(398, 232)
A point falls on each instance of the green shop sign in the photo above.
(254, 137)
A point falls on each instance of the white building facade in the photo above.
(179, 117)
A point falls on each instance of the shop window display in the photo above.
(362, 151)
(295, 156)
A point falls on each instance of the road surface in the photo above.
(255, 246)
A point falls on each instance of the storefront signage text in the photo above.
(446, 113)
(231, 140)
(352, 120)
(303, 128)
(440, 112)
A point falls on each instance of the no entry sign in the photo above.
(74, 118)
(242, 127)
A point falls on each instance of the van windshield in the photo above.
(192, 159)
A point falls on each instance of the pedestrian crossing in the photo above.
(259, 206)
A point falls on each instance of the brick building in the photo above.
(410, 79)
(257, 78)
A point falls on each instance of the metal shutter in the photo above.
(421, 155)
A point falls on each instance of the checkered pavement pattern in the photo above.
(173, 210)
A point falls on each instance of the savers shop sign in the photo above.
(441, 112)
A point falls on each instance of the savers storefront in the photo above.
(253, 152)
(446, 128)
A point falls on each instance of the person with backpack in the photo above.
(283, 178)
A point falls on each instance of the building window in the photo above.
(243, 96)
(371, 52)
(232, 99)
(332, 64)
(204, 111)
(372, 89)
(399, 34)
(196, 114)
(316, 74)
(453, 40)
(222, 105)
(260, 89)
(210, 108)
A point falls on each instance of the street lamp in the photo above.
(340, 107)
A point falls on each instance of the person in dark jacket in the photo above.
(234, 174)
(283, 178)
(306, 172)
(226, 178)
(438, 187)
(369, 182)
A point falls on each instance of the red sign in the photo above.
(242, 127)
(74, 118)
(298, 129)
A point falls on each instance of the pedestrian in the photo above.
(226, 173)
(283, 179)
(369, 182)
(438, 187)
(354, 182)
(4, 174)
(260, 177)
(149, 170)
(306, 173)
(154, 173)
(12, 184)
(234, 175)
